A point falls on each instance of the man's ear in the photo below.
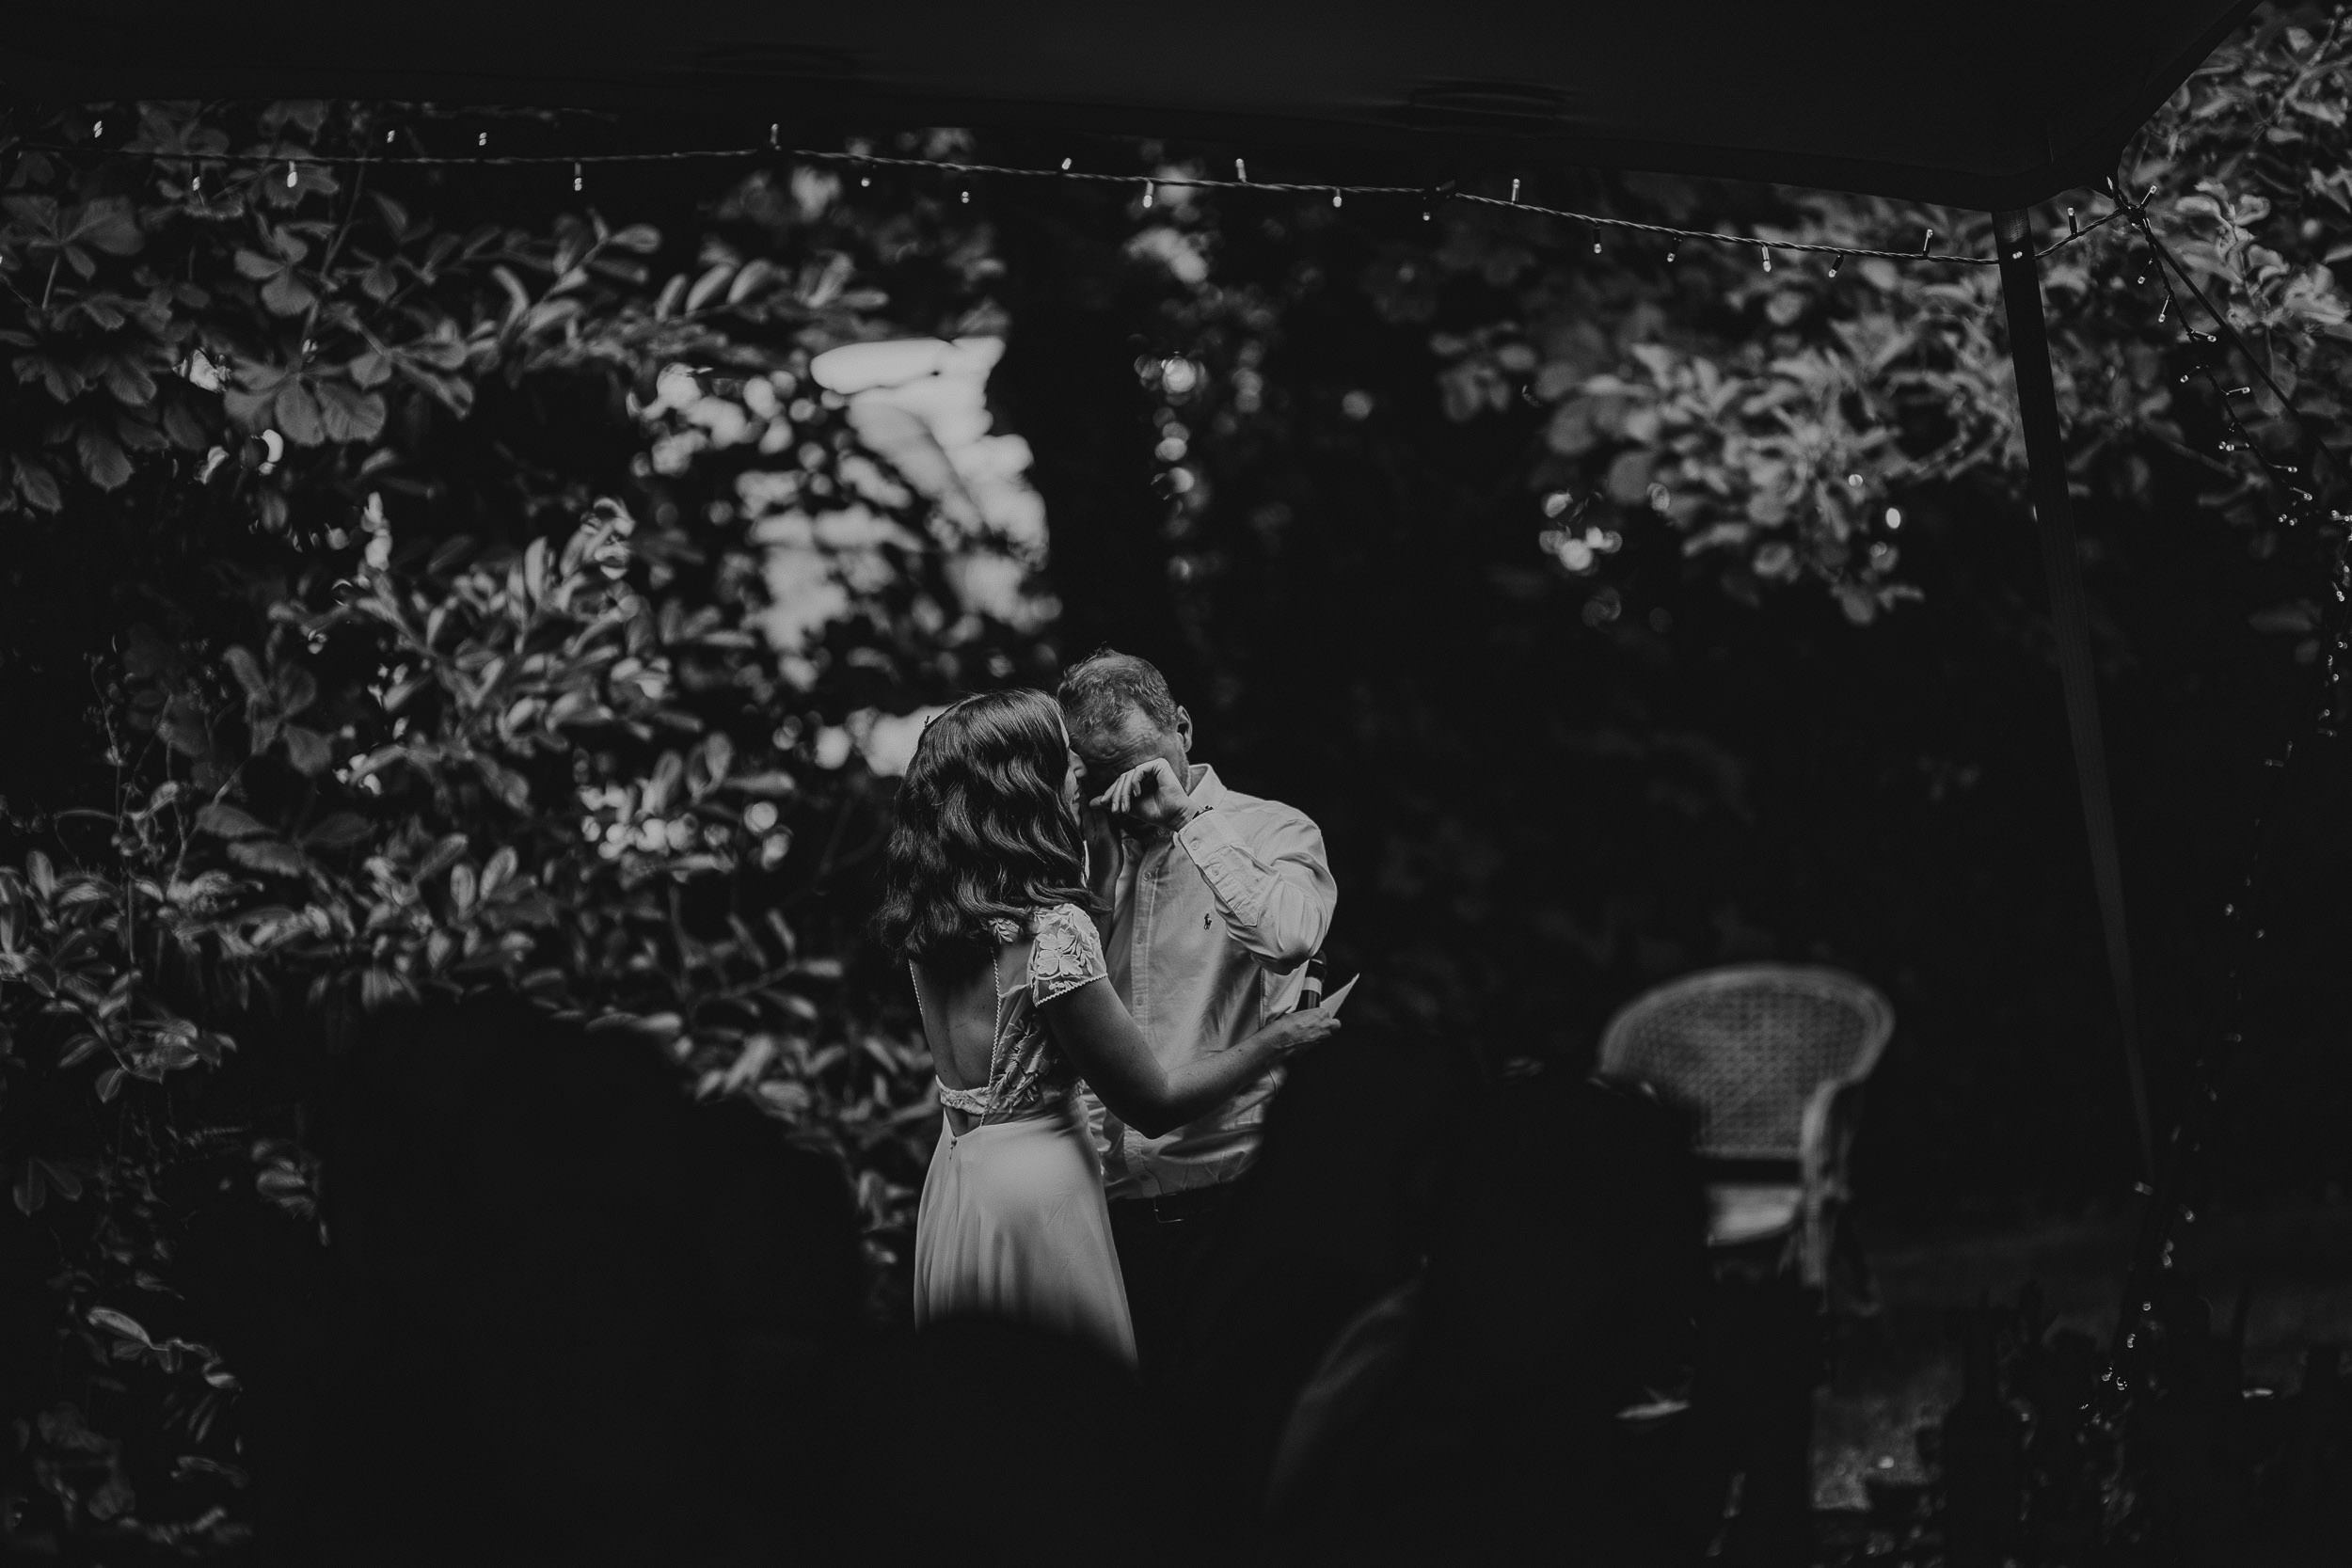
(1183, 727)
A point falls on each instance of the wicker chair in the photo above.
(1768, 1057)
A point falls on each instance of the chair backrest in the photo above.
(1747, 1045)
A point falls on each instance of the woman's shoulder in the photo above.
(1059, 917)
(1068, 953)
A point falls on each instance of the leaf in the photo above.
(129, 383)
(118, 1323)
(271, 855)
(518, 297)
(371, 369)
(181, 423)
(349, 413)
(508, 784)
(102, 458)
(709, 283)
(339, 831)
(395, 215)
(183, 727)
(381, 987)
(294, 689)
(307, 749)
(1628, 477)
(297, 411)
(43, 874)
(287, 294)
(2297, 616)
(643, 238)
(756, 272)
(226, 821)
(107, 224)
(248, 410)
(38, 485)
(68, 1185)
(247, 670)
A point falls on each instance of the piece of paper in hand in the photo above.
(1332, 1003)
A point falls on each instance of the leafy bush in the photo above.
(418, 576)
(1771, 414)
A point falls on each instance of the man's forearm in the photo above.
(1279, 912)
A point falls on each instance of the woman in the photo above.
(986, 899)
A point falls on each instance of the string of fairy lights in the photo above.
(1431, 198)
(2168, 1210)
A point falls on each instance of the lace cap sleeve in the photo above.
(1068, 954)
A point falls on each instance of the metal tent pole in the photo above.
(2053, 513)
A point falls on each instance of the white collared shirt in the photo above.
(1206, 947)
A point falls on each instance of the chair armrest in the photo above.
(1825, 1137)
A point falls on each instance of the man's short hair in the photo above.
(1098, 692)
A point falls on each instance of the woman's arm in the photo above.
(1093, 1026)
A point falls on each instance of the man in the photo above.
(1216, 900)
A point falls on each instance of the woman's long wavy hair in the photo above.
(984, 832)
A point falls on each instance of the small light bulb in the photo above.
(1835, 262)
(1768, 261)
(1515, 187)
(1065, 165)
(1241, 171)
(863, 180)
(964, 197)
(195, 182)
(99, 129)
(483, 140)
(1670, 258)
(1893, 517)
(576, 183)
(1596, 248)
(290, 174)
(1335, 198)
(1147, 194)
(387, 138)
(1924, 243)
(773, 143)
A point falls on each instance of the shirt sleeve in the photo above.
(1067, 953)
(1270, 879)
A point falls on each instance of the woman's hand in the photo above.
(1297, 1029)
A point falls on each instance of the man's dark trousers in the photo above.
(1163, 1244)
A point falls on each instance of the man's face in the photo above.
(1104, 754)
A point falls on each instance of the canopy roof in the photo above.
(1989, 103)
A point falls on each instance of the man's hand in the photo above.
(1148, 796)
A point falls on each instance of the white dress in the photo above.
(1012, 1221)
